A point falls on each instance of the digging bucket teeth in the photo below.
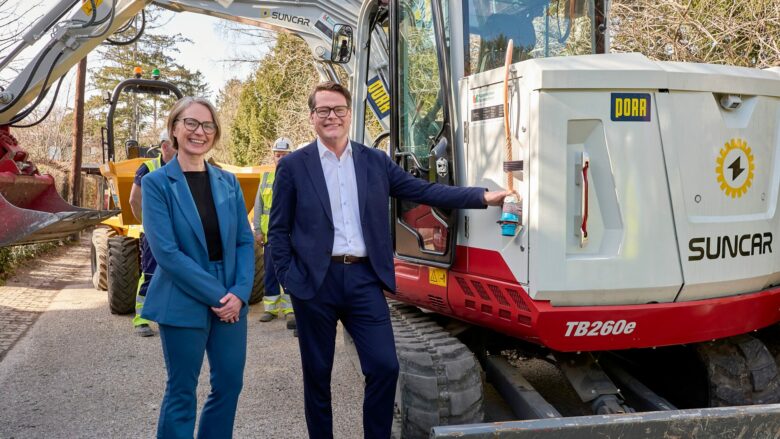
(31, 210)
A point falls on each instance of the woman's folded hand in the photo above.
(231, 306)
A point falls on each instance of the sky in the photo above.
(208, 49)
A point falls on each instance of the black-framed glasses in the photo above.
(192, 124)
(323, 112)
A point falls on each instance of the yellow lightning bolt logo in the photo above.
(735, 168)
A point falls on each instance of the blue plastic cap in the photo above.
(508, 229)
(509, 222)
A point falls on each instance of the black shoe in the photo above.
(291, 321)
(267, 317)
(143, 330)
(295, 332)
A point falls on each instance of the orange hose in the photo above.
(510, 179)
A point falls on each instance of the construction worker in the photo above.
(275, 299)
(148, 264)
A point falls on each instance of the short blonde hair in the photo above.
(184, 103)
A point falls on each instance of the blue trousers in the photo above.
(353, 294)
(183, 348)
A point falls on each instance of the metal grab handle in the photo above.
(582, 181)
(415, 160)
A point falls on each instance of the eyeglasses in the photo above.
(323, 112)
(192, 124)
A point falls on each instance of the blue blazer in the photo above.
(301, 225)
(182, 290)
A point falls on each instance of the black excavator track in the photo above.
(741, 371)
(440, 381)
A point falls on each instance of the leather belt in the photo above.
(348, 259)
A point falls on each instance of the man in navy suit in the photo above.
(332, 249)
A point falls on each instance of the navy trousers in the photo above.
(269, 281)
(353, 294)
(183, 348)
(148, 263)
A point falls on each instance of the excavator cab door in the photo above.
(421, 131)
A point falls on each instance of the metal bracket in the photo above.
(442, 167)
(586, 376)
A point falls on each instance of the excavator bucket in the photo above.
(31, 210)
(755, 421)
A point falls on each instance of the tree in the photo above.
(273, 104)
(141, 118)
(741, 33)
(13, 16)
(227, 106)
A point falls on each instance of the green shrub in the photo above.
(11, 257)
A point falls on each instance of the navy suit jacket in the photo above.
(301, 225)
(182, 290)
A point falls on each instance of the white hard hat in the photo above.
(164, 136)
(282, 144)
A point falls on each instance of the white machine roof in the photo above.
(636, 71)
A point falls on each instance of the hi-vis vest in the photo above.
(266, 194)
(153, 164)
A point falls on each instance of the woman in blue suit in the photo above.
(196, 225)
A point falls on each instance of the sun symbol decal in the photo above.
(735, 168)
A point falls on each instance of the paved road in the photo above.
(70, 369)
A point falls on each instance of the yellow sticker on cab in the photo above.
(437, 276)
(378, 97)
(86, 6)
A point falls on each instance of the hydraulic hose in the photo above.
(510, 178)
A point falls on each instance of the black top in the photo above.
(201, 193)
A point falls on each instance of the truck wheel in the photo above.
(99, 256)
(440, 380)
(123, 273)
(740, 371)
(258, 286)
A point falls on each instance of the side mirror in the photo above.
(341, 46)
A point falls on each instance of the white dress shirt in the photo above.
(342, 191)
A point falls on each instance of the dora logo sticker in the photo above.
(630, 107)
(735, 168)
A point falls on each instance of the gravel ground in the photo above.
(79, 372)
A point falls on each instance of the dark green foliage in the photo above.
(272, 102)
